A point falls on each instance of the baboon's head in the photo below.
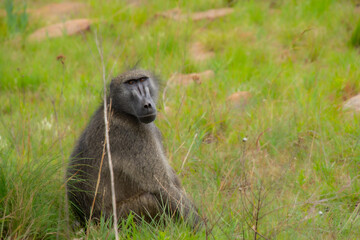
(135, 93)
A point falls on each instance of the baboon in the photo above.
(145, 183)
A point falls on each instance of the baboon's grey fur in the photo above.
(145, 183)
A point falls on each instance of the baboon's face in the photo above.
(135, 94)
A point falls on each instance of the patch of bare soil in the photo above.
(357, 8)
(174, 14)
(243, 35)
(211, 14)
(209, 138)
(68, 28)
(2, 13)
(349, 91)
(187, 79)
(353, 103)
(239, 99)
(199, 52)
(136, 3)
(60, 11)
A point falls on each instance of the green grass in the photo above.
(355, 37)
(301, 161)
(16, 22)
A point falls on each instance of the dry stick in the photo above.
(257, 209)
(96, 189)
(164, 102)
(187, 155)
(4, 217)
(178, 201)
(352, 217)
(97, 183)
(182, 144)
(250, 214)
(255, 230)
(243, 202)
(216, 223)
(101, 162)
(107, 138)
(100, 168)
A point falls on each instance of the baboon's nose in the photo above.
(148, 106)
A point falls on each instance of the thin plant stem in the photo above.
(187, 155)
(96, 189)
(98, 45)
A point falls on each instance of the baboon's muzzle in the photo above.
(144, 104)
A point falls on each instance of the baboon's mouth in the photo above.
(147, 118)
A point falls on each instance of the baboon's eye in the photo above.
(143, 79)
(131, 82)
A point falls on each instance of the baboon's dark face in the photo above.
(135, 94)
(142, 104)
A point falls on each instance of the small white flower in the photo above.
(244, 139)
(45, 124)
(3, 143)
(321, 213)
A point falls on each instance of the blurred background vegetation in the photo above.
(264, 134)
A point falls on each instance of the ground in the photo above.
(255, 125)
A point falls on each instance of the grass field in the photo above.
(297, 175)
